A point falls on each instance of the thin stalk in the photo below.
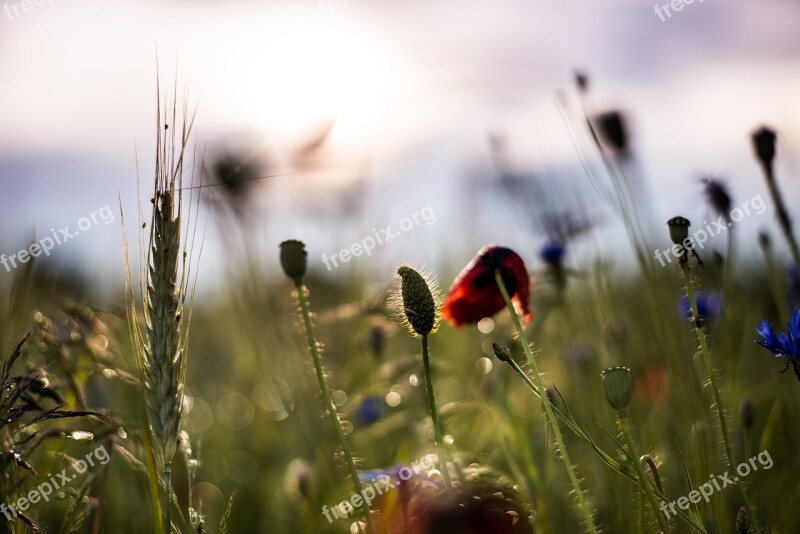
(437, 427)
(582, 504)
(168, 495)
(326, 395)
(783, 215)
(723, 423)
(622, 420)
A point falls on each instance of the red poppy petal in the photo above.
(474, 294)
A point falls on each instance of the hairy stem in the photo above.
(644, 484)
(437, 427)
(723, 423)
(328, 399)
(582, 504)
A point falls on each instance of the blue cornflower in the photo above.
(370, 410)
(709, 306)
(783, 345)
(552, 253)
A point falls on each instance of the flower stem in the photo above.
(582, 504)
(783, 217)
(326, 395)
(437, 427)
(644, 483)
(723, 423)
(168, 495)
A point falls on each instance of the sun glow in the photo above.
(303, 73)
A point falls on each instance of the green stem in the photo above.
(326, 395)
(644, 484)
(723, 423)
(582, 504)
(168, 495)
(437, 427)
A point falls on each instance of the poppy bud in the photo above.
(618, 387)
(678, 229)
(743, 521)
(502, 352)
(764, 145)
(417, 301)
(294, 259)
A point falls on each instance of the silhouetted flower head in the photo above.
(783, 345)
(613, 131)
(370, 410)
(475, 294)
(294, 259)
(716, 192)
(678, 229)
(764, 145)
(709, 306)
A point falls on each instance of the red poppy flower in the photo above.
(475, 295)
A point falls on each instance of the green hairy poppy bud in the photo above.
(294, 259)
(417, 301)
(618, 387)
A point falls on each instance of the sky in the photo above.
(408, 94)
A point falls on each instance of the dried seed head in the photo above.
(415, 299)
(618, 387)
(294, 259)
(716, 192)
(678, 229)
(764, 145)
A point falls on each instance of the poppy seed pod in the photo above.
(417, 301)
(502, 352)
(618, 387)
(294, 259)
(764, 145)
(678, 229)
